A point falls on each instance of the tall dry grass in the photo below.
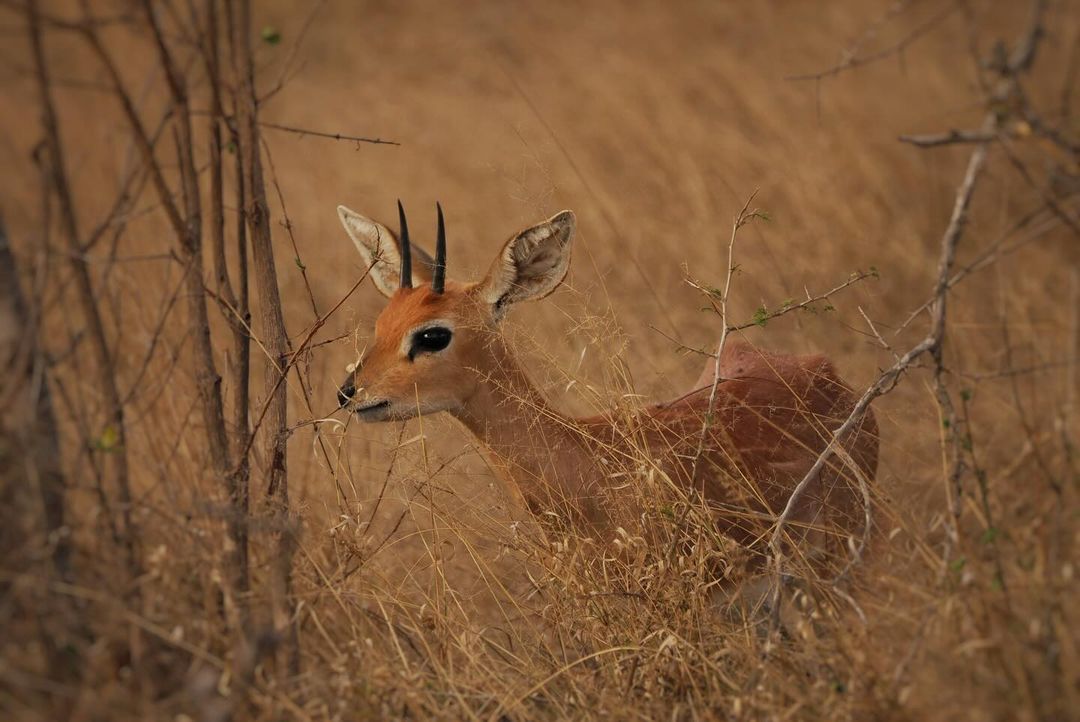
(421, 590)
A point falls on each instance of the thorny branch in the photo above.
(742, 219)
(744, 216)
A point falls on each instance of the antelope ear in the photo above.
(531, 265)
(378, 245)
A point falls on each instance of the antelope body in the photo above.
(438, 347)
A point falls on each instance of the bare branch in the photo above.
(850, 58)
(994, 250)
(1023, 54)
(1051, 202)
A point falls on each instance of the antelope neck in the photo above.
(540, 451)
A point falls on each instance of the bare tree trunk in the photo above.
(272, 322)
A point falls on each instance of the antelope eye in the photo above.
(430, 340)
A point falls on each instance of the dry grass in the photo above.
(422, 590)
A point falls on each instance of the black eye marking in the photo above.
(430, 340)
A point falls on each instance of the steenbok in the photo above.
(438, 347)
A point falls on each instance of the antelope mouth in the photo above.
(371, 409)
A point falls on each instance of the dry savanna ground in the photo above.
(417, 588)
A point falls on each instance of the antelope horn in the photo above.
(438, 271)
(406, 249)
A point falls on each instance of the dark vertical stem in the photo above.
(236, 476)
(242, 341)
(272, 322)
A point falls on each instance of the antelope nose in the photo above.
(346, 392)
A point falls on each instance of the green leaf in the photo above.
(761, 317)
(109, 440)
(271, 35)
(989, 535)
(231, 146)
(299, 264)
(957, 564)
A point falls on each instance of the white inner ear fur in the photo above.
(376, 245)
(406, 340)
(532, 264)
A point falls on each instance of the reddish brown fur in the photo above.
(772, 416)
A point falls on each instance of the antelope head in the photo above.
(433, 344)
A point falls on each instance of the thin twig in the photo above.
(739, 222)
(851, 60)
(683, 347)
(810, 300)
(741, 219)
(358, 139)
(990, 253)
